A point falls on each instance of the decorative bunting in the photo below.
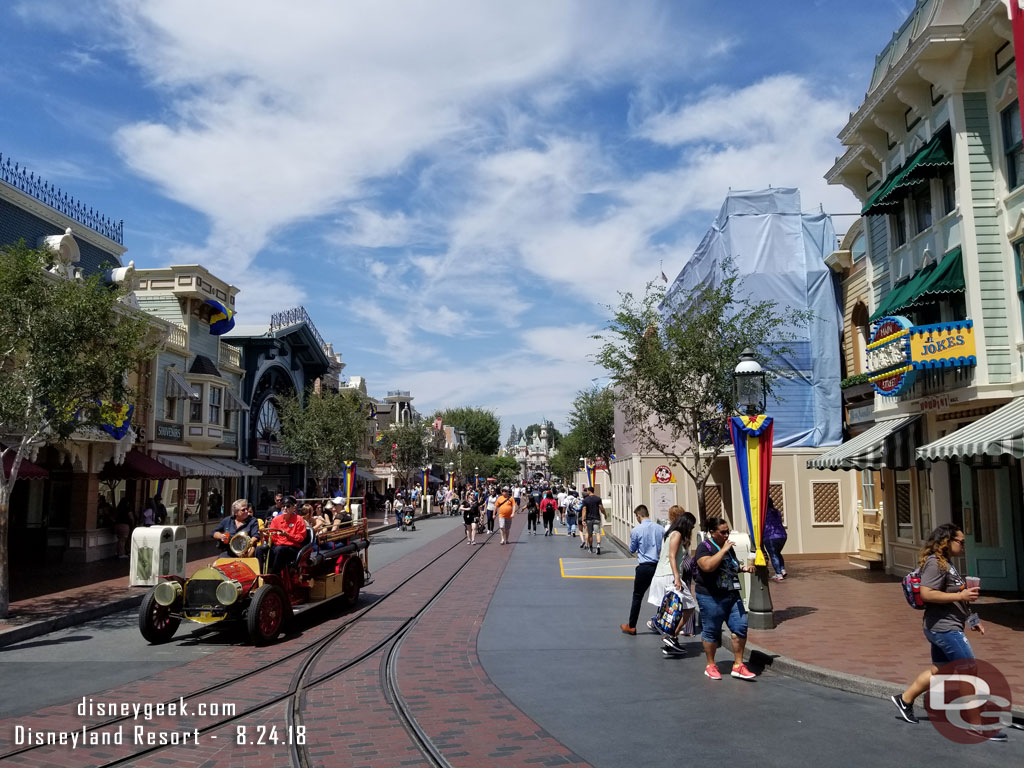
(591, 468)
(752, 441)
(350, 482)
(222, 320)
(116, 419)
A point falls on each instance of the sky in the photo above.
(455, 190)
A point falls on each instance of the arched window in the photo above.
(861, 328)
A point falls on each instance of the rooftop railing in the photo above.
(34, 186)
(295, 316)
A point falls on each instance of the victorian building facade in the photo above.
(934, 291)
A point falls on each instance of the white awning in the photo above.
(1000, 433)
(235, 468)
(178, 388)
(868, 450)
(233, 402)
(190, 466)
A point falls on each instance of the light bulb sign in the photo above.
(898, 349)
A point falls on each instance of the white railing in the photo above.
(230, 355)
(178, 337)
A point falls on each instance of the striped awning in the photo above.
(887, 445)
(234, 468)
(233, 402)
(191, 466)
(178, 388)
(1000, 433)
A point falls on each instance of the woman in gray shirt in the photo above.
(946, 598)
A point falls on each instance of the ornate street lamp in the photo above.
(749, 385)
(752, 433)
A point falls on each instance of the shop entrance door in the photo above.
(988, 510)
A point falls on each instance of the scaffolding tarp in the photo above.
(780, 255)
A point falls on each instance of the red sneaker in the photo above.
(711, 671)
(741, 671)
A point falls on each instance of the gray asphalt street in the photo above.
(553, 646)
(110, 651)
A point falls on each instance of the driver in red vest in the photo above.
(287, 534)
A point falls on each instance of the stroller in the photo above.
(407, 521)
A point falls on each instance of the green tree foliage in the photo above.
(592, 422)
(505, 469)
(565, 463)
(465, 461)
(483, 429)
(407, 442)
(672, 371)
(65, 345)
(323, 430)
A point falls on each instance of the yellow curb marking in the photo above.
(561, 567)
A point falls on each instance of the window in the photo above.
(216, 393)
(921, 205)
(1018, 258)
(777, 493)
(948, 181)
(867, 490)
(170, 408)
(904, 513)
(196, 410)
(825, 498)
(1013, 147)
(924, 504)
(859, 248)
(897, 229)
(713, 500)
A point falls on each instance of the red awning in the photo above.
(27, 470)
(137, 466)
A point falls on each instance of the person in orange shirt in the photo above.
(505, 506)
(287, 532)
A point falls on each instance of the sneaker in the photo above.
(777, 577)
(627, 629)
(583, 545)
(998, 737)
(740, 671)
(675, 653)
(711, 671)
(650, 625)
(906, 710)
(599, 549)
(671, 642)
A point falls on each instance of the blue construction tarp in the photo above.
(780, 255)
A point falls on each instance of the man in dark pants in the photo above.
(644, 542)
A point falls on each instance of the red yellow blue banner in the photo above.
(350, 482)
(752, 440)
(591, 468)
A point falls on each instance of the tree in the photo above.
(322, 430)
(512, 438)
(567, 460)
(592, 421)
(483, 429)
(672, 368)
(407, 450)
(505, 469)
(67, 349)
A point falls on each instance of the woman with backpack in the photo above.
(548, 508)
(532, 510)
(946, 598)
(571, 513)
(670, 575)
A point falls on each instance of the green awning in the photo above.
(943, 277)
(915, 171)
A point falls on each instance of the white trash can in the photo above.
(357, 510)
(157, 550)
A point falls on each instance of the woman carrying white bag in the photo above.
(669, 576)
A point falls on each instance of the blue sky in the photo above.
(454, 190)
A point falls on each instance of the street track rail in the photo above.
(314, 651)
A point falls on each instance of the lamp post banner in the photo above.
(350, 482)
(752, 440)
(591, 474)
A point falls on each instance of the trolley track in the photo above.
(313, 652)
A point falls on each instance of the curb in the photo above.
(32, 629)
(763, 659)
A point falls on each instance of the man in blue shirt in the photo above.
(644, 542)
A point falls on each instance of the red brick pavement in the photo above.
(834, 615)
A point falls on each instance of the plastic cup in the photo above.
(972, 581)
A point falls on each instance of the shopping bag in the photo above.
(670, 613)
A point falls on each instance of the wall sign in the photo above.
(663, 474)
(888, 354)
(169, 432)
(898, 350)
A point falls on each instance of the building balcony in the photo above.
(230, 356)
(178, 338)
